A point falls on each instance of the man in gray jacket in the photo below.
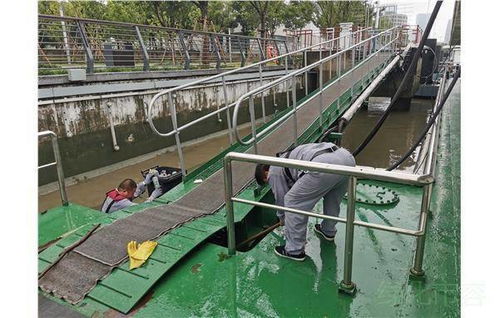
(301, 190)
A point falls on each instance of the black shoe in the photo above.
(318, 230)
(281, 251)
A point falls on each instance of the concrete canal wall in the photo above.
(81, 112)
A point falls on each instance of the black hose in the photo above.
(430, 122)
(327, 132)
(408, 73)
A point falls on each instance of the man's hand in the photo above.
(149, 176)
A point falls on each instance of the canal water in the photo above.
(398, 133)
(392, 141)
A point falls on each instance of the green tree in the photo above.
(328, 13)
(222, 15)
(297, 14)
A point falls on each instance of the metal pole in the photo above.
(262, 97)
(417, 269)
(60, 172)
(331, 60)
(346, 284)
(287, 51)
(243, 56)
(88, 51)
(229, 125)
(338, 63)
(229, 208)
(262, 55)
(230, 47)
(64, 33)
(286, 84)
(116, 147)
(173, 114)
(187, 61)
(217, 51)
(253, 124)
(295, 119)
(306, 73)
(145, 55)
(320, 96)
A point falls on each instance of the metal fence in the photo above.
(294, 59)
(96, 45)
(353, 173)
(57, 162)
(359, 53)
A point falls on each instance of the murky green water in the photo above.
(395, 137)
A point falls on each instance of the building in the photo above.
(448, 31)
(396, 19)
(422, 20)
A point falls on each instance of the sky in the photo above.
(412, 7)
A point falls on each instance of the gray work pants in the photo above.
(305, 194)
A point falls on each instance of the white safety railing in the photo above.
(333, 45)
(365, 49)
(353, 173)
(57, 163)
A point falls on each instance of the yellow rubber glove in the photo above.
(138, 254)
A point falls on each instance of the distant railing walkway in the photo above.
(96, 45)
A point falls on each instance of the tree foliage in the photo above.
(330, 13)
(261, 18)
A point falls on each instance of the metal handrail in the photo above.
(57, 163)
(83, 41)
(353, 173)
(292, 75)
(173, 111)
(67, 18)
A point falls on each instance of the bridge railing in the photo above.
(424, 181)
(97, 45)
(296, 58)
(57, 162)
(359, 52)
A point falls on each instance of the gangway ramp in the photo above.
(189, 219)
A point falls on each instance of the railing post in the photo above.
(278, 52)
(346, 285)
(331, 60)
(187, 61)
(217, 51)
(306, 72)
(262, 97)
(229, 125)
(287, 51)
(229, 40)
(417, 269)
(229, 208)
(262, 55)
(243, 56)
(60, 172)
(295, 119)
(145, 55)
(173, 114)
(286, 83)
(253, 123)
(88, 51)
(320, 96)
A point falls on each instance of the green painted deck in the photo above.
(257, 283)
